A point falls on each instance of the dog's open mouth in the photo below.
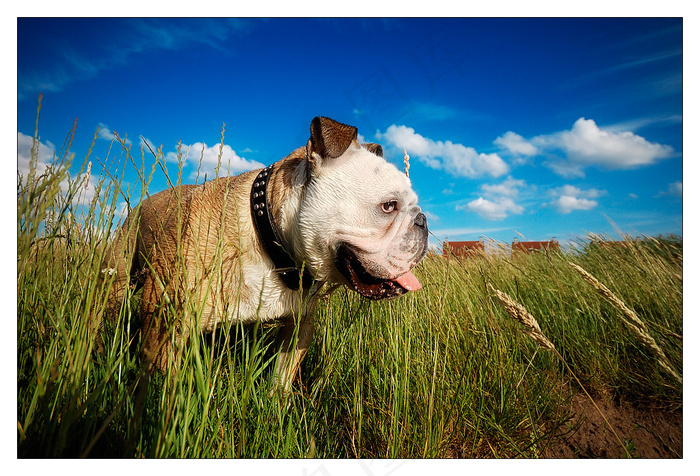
(370, 286)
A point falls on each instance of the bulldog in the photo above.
(259, 246)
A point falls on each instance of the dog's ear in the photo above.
(376, 149)
(329, 139)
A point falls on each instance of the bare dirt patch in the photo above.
(646, 432)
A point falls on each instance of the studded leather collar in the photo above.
(285, 265)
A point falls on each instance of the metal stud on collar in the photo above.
(259, 187)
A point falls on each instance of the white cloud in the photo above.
(675, 189)
(44, 159)
(456, 159)
(569, 198)
(499, 201)
(231, 163)
(587, 145)
(45, 154)
(509, 188)
(566, 204)
(107, 134)
(516, 144)
(573, 191)
(568, 152)
(492, 210)
(590, 145)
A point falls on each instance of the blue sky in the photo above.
(528, 128)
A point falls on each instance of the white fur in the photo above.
(342, 204)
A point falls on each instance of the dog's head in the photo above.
(359, 219)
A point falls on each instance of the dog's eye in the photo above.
(388, 207)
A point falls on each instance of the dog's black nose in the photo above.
(421, 221)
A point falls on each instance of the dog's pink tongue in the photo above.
(409, 282)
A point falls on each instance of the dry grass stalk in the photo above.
(520, 314)
(638, 328)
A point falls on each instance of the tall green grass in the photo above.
(439, 372)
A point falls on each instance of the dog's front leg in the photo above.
(294, 338)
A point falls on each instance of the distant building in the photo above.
(532, 246)
(466, 249)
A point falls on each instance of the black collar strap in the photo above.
(284, 264)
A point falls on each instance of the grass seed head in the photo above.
(518, 313)
(406, 164)
(638, 328)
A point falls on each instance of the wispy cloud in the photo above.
(455, 159)
(154, 33)
(510, 187)
(434, 112)
(621, 66)
(432, 218)
(642, 122)
(452, 233)
(87, 57)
